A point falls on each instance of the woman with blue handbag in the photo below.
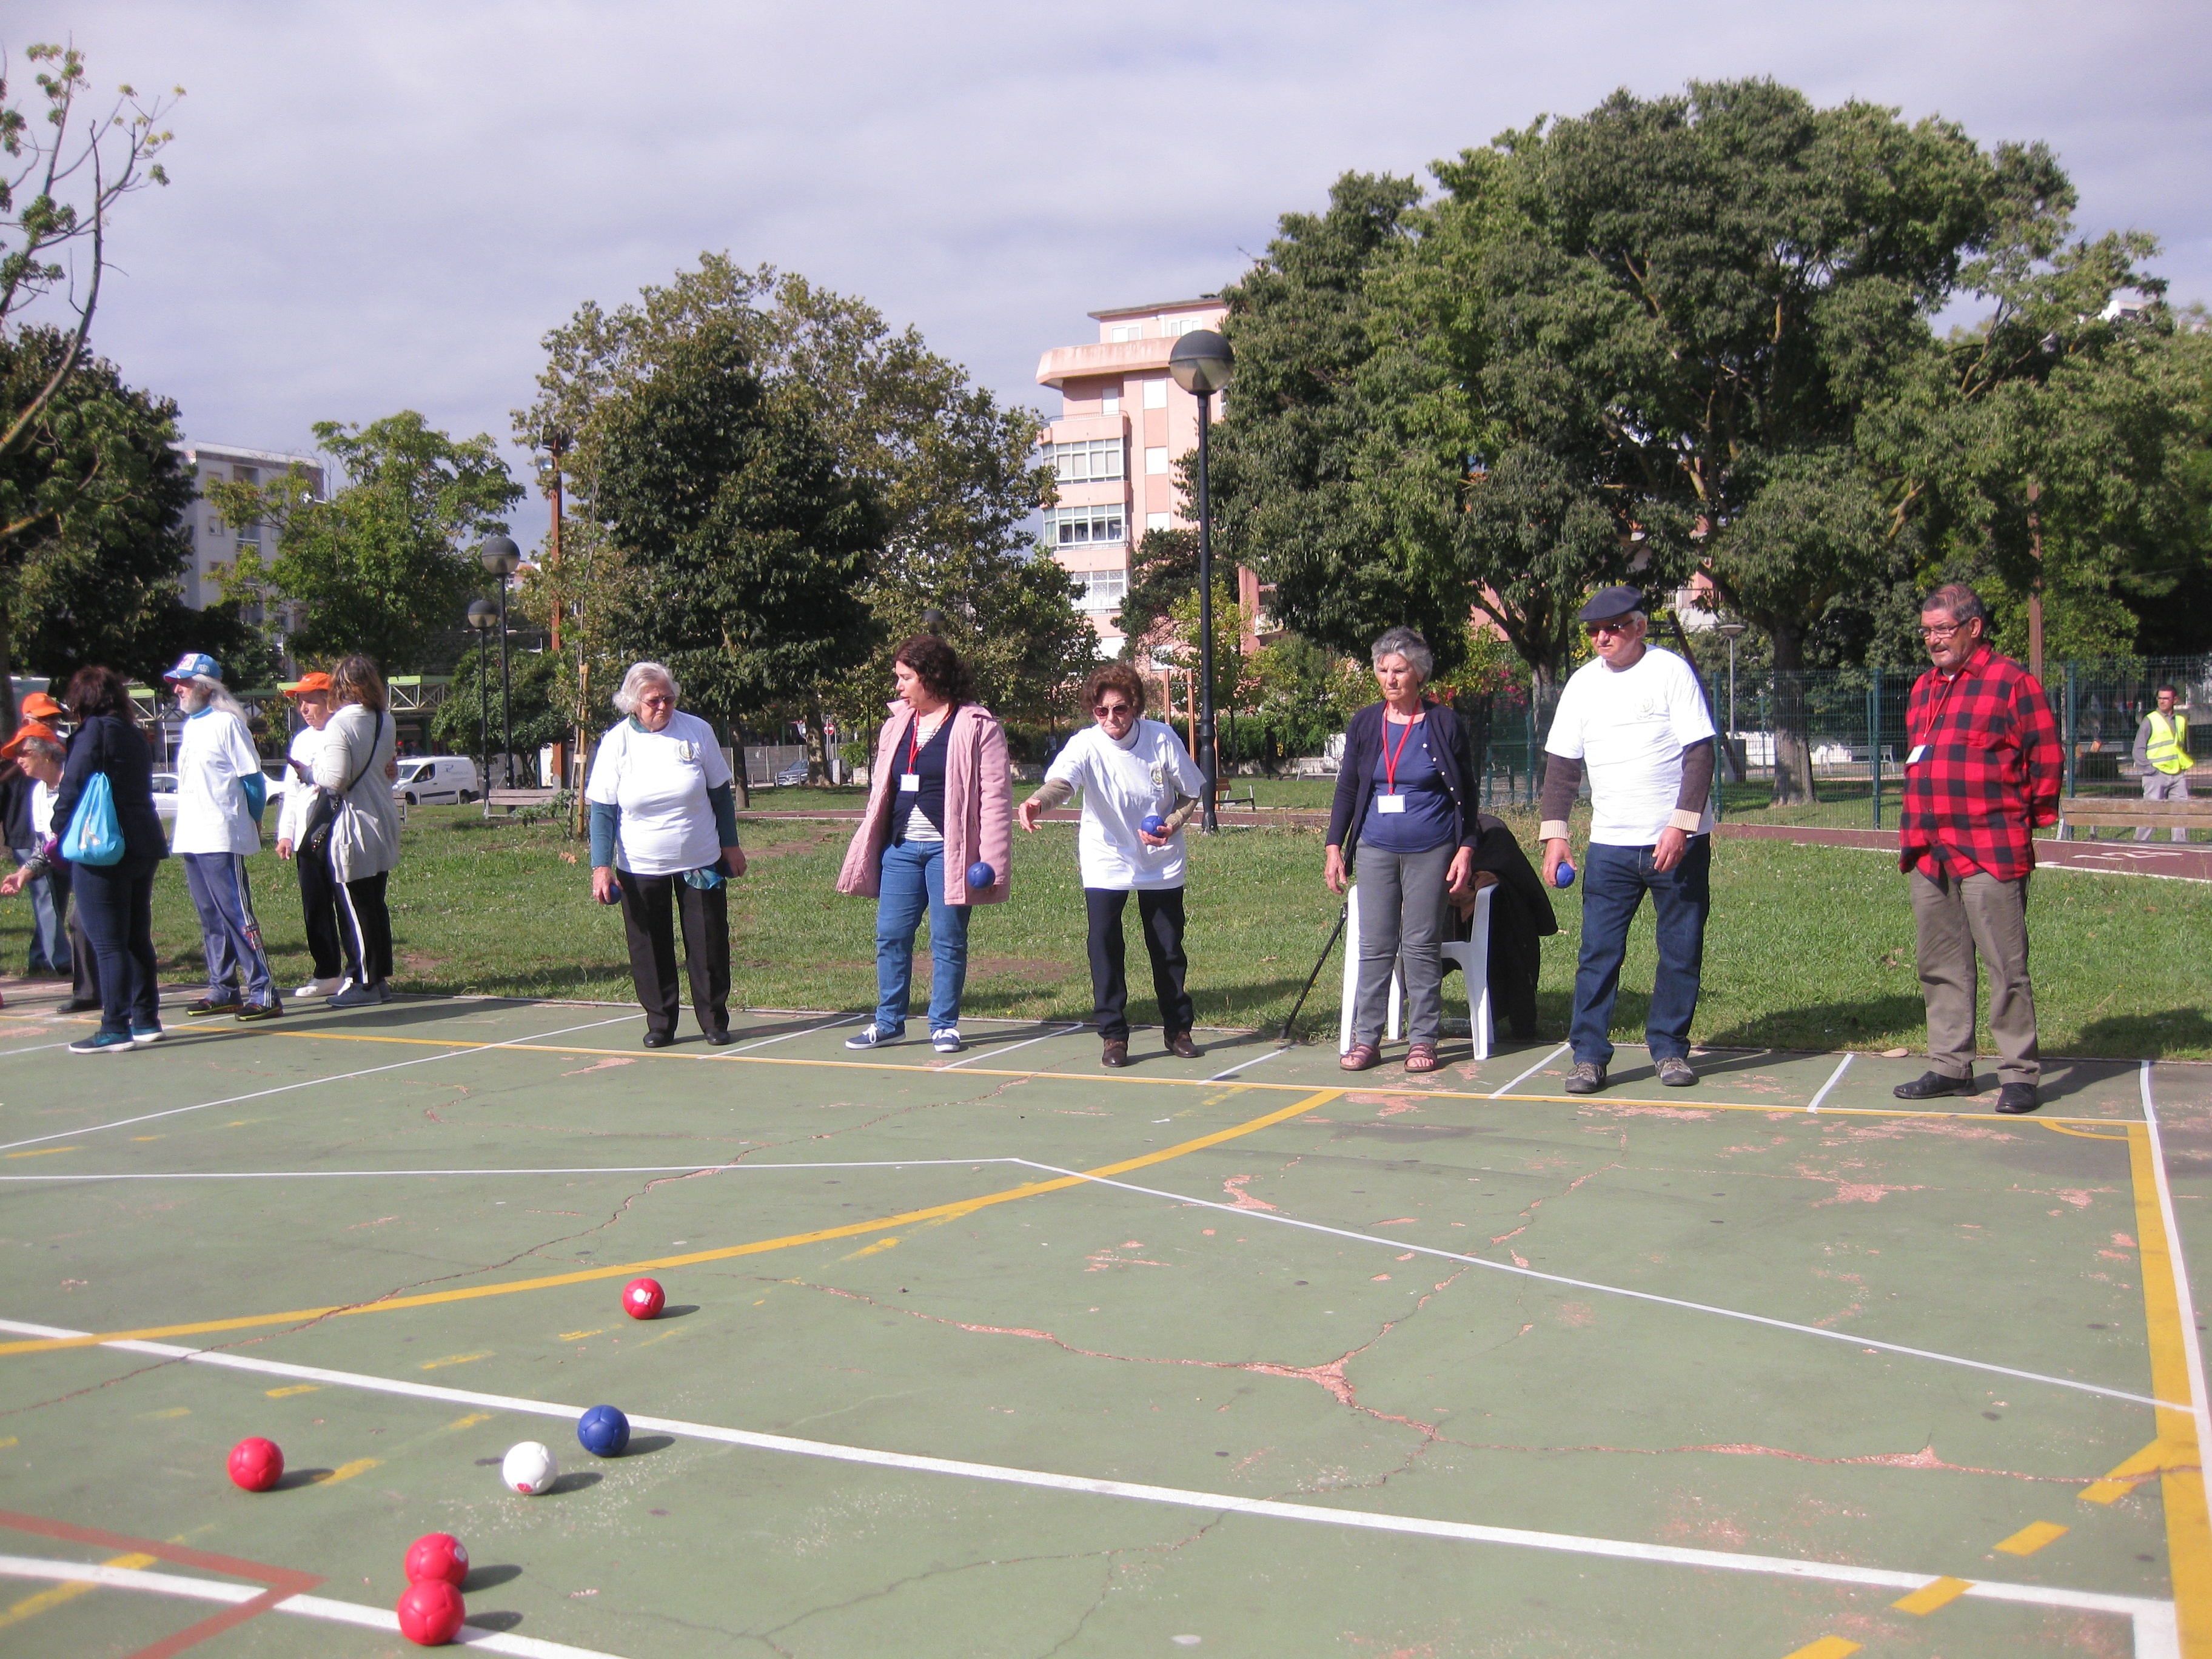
(113, 841)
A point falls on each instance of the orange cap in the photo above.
(24, 733)
(317, 681)
(38, 706)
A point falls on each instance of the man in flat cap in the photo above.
(1634, 722)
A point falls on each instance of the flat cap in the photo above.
(1610, 602)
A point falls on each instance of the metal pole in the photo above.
(484, 716)
(506, 695)
(1209, 763)
(1874, 742)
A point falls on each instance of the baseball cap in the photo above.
(38, 706)
(24, 733)
(308, 684)
(195, 665)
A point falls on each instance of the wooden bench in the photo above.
(1222, 786)
(506, 800)
(2094, 812)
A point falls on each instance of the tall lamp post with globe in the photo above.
(1202, 363)
(501, 558)
(484, 616)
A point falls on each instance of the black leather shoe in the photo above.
(2015, 1098)
(658, 1039)
(1934, 1085)
(719, 1039)
(1115, 1052)
(1179, 1044)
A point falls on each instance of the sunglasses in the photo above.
(1622, 626)
(1105, 709)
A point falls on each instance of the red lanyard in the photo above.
(914, 739)
(1390, 760)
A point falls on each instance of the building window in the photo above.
(1085, 461)
(1084, 527)
(1103, 590)
(1110, 403)
(1156, 394)
(1155, 521)
(245, 475)
(1122, 333)
(1155, 460)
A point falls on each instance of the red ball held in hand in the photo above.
(256, 1464)
(430, 1613)
(643, 1299)
(438, 1555)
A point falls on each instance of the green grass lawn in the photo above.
(1810, 947)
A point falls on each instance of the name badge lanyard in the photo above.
(910, 782)
(1918, 752)
(1392, 801)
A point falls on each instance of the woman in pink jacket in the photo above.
(940, 808)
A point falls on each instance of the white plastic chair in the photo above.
(1473, 956)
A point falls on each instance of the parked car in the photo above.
(427, 779)
(791, 776)
(165, 799)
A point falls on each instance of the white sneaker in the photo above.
(876, 1037)
(946, 1041)
(320, 987)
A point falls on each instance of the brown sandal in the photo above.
(1422, 1057)
(1360, 1057)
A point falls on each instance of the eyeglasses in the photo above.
(1941, 633)
(1107, 710)
(654, 702)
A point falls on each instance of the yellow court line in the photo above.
(32, 1606)
(1677, 1103)
(2156, 1458)
(2188, 1524)
(2031, 1538)
(1935, 1593)
(952, 1211)
(1828, 1647)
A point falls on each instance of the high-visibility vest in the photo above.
(2169, 743)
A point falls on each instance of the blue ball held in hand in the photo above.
(604, 1432)
(1566, 875)
(981, 875)
(1154, 824)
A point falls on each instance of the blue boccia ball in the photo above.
(1566, 876)
(604, 1432)
(981, 875)
(1154, 824)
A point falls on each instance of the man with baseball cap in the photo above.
(318, 894)
(220, 793)
(1633, 721)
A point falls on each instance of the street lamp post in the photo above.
(500, 557)
(1202, 363)
(484, 616)
(1731, 629)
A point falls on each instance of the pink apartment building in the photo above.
(1122, 424)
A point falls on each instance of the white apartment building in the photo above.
(215, 543)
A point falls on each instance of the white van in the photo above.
(427, 778)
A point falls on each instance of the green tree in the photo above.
(1163, 573)
(386, 565)
(544, 684)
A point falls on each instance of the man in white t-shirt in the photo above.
(220, 792)
(1634, 722)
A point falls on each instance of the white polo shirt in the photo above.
(213, 754)
(660, 781)
(1122, 783)
(1628, 727)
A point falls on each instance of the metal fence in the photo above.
(1855, 721)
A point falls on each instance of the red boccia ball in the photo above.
(438, 1555)
(430, 1613)
(256, 1464)
(643, 1299)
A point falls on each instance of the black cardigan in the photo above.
(106, 743)
(1363, 746)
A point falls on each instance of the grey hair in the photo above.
(1958, 601)
(640, 675)
(44, 748)
(1404, 642)
(218, 696)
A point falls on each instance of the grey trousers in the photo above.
(1402, 923)
(2163, 786)
(1959, 918)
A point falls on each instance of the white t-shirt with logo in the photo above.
(660, 781)
(42, 813)
(213, 754)
(1628, 727)
(1122, 784)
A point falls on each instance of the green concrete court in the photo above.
(1005, 1356)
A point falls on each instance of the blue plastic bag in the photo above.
(96, 837)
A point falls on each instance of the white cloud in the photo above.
(381, 207)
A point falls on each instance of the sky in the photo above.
(383, 208)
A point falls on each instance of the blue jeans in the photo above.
(913, 882)
(50, 945)
(115, 903)
(1614, 882)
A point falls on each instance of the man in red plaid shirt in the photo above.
(1983, 770)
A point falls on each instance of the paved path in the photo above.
(2191, 863)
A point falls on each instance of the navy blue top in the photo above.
(929, 764)
(1430, 818)
(105, 743)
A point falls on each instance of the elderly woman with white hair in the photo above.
(1406, 809)
(220, 793)
(664, 833)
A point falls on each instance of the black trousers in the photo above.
(84, 965)
(1159, 913)
(647, 902)
(367, 928)
(319, 903)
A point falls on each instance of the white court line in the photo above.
(842, 1019)
(2200, 1407)
(638, 1168)
(309, 1083)
(313, 1607)
(1247, 1065)
(1499, 1093)
(1400, 1244)
(2146, 1611)
(995, 1053)
(1834, 1078)
(37, 1048)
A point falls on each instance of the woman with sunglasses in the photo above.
(1133, 773)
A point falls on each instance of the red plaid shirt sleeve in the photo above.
(1990, 773)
